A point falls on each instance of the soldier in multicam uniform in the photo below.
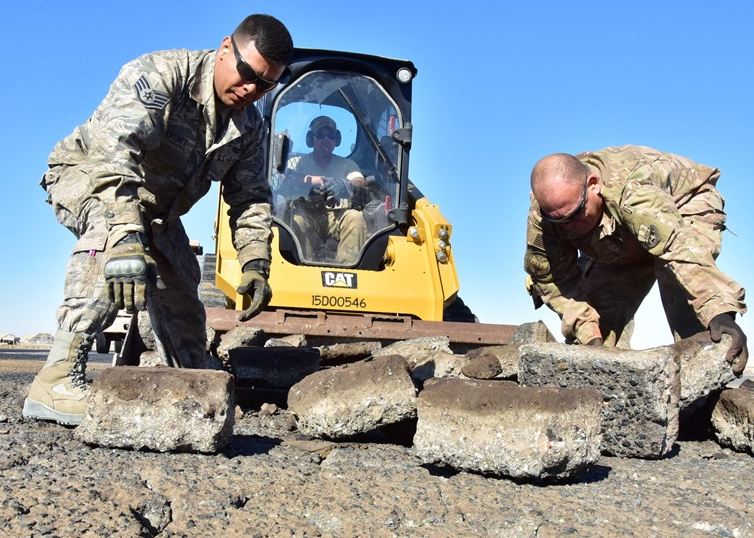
(172, 123)
(604, 226)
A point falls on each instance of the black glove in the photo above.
(595, 342)
(337, 188)
(726, 324)
(360, 198)
(129, 265)
(254, 283)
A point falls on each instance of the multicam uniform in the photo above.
(662, 220)
(155, 144)
(345, 225)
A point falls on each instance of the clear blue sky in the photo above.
(500, 85)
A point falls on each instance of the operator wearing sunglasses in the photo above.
(604, 226)
(336, 178)
(172, 123)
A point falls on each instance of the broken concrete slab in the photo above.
(354, 398)
(240, 336)
(483, 366)
(160, 409)
(531, 333)
(343, 353)
(703, 368)
(272, 367)
(499, 428)
(291, 340)
(733, 419)
(415, 349)
(437, 363)
(640, 389)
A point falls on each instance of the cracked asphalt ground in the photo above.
(271, 482)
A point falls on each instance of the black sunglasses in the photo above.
(247, 72)
(573, 215)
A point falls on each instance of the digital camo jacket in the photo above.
(159, 137)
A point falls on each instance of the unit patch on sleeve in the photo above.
(648, 235)
(537, 265)
(151, 98)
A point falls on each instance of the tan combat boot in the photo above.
(59, 390)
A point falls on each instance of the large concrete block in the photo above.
(161, 409)
(499, 428)
(733, 419)
(640, 389)
(703, 368)
(354, 398)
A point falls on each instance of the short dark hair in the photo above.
(270, 37)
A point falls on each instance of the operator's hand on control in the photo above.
(127, 269)
(254, 284)
(337, 188)
(360, 198)
(738, 352)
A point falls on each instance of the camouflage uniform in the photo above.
(346, 225)
(662, 221)
(158, 139)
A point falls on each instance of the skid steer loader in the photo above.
(402, 283)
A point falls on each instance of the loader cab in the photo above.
(368, 101)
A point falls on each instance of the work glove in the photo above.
(360, 198)
(254, 284)
(337, 188)
(726, 324)
(128, 268)
(595, 342)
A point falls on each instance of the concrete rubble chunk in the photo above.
(354, 398)
(343, 353)
(291, 340)
(703, 368)
(499, 428)
(531, 333)
(438, 363)
(640, 389)
(240, 336)
(484, 366)
(733, 419)
(415, 349)
(273, 367)
(160, 409)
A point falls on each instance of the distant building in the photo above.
(38, 338)
(9, 339)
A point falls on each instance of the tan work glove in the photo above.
(254, 284)
(127, 269)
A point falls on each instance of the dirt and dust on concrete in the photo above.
(269, 481)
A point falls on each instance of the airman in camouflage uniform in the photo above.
(172, 123)
(339, 176)
(603, 226)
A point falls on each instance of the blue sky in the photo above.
(500, 84)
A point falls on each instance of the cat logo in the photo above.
(332, 279)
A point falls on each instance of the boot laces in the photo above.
(77, 372)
